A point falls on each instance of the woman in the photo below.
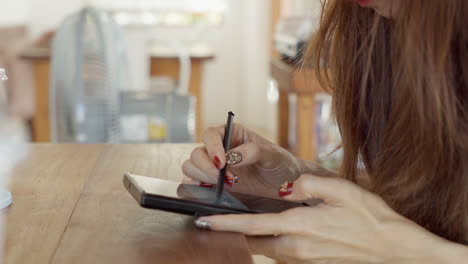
(399, 76)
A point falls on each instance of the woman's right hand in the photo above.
(255, 165)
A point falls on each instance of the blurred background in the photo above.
(139, 71)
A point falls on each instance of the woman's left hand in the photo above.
(352, 225)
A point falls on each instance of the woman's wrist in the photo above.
(309, 167)
(451, 253)
(440, 251)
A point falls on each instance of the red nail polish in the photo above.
(217, 162)
(228, 181)
(286, 189)
(207, 185)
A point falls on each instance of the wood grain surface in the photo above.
(70, 207)
(41, 119)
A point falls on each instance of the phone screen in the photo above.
(208, 195)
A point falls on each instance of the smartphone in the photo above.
(196, 200)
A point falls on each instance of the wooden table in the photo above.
(296, 108)
(70, 207)
(159, 66)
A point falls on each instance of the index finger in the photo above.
(249, 224)
(213, 140)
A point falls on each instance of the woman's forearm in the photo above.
(439, 250)
(452, 253)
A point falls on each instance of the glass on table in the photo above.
(13, 138)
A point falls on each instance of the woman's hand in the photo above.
(256, 166)
(350, 226)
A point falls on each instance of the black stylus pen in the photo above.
(227, 146)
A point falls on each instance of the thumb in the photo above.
(334, 191)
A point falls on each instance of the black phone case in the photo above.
(187, 207)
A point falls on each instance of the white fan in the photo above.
(89, 68)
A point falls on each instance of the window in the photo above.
(165, 13)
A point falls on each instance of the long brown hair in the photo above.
(401, 102)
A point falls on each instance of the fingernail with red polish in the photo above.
(286, 189)
(229, 181)
(217, 162)
(207, 185)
